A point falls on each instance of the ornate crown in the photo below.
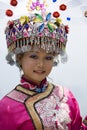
(39, 30)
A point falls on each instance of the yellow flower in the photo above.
(58, 20)
(38, 8)
(24, 19)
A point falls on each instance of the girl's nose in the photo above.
(40, 63)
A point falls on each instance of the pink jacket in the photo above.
(54, 109)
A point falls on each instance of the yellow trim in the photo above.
(24, 90)
(30, 106)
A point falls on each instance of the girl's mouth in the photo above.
(39, 71)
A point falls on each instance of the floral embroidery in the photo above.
(54, 113)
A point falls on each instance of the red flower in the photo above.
(56, 14)
(9, 12)
(13, 2)
(62, 7)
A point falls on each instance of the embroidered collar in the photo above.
(34, 87)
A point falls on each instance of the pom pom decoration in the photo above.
(13, 2)
(9, 12)
(68, 18)
(62, 7)
(56, 14)
(54, 0)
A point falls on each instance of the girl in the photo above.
(35, 45)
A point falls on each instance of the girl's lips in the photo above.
(39, 71)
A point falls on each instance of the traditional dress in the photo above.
(44, 107)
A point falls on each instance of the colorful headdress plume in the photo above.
(39, 30)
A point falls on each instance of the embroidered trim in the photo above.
(30, 98)
(61, 93)
(18, 96)
(24, 90)
(33, 87)
(31, 109)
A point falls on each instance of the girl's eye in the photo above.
(33, 56)
(49, 58)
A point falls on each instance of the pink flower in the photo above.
(36, 5)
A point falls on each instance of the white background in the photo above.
(73, 74)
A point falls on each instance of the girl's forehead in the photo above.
(38, 51)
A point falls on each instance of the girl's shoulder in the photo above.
(63, 92)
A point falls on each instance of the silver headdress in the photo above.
(38, 30)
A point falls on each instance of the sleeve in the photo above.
(6, 120)
(76, 123)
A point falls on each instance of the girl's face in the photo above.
(36, 65)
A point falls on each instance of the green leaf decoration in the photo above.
(38, 18)
(51, 26)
